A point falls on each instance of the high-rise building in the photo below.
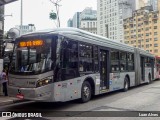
(88, 20)
(76, 20)
(89, 25)
(88, 13)
(85, 20)
(136, 4)
(141, 3)
(141, 30)
(158, 5)
(153, 3)
(110, 15)
(159, 23)
(70, 23)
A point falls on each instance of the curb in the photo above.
(19, 101)
(7, 102)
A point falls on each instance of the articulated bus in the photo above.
(64, 64)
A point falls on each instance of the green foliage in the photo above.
(52, 15)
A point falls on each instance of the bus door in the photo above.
(104, 69)
(142, 68)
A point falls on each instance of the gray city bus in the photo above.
(67, 63)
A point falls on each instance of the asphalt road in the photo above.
(142, 98)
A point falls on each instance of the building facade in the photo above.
(110, 15)
(89, 25)
(153, 3)
(70, 23)
(88, 20)
(159, 25)
(136, 4)
(88, 13)
(85, 20)
(141, 30)
(76, 20)
(26, 28)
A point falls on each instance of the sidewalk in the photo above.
(5, 100)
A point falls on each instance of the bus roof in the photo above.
(88, 37)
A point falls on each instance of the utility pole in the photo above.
(21, 19)
(57, 10)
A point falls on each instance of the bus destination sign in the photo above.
(31, 43)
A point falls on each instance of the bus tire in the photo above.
(126, 84)
(86, 92)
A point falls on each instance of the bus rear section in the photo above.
(157, 67)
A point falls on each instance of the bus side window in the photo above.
(123, 61)
(130, 61)
(114, 60)
(147, 62)
(85, 57)
(69, 60)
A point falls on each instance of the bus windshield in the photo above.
(32, 57)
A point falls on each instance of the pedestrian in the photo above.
(4, 82)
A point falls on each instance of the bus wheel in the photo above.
(126, 84)
(86, 92)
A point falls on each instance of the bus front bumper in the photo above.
(43, 93)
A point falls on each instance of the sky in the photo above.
(37, 12)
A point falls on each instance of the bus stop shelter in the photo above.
(3, 2)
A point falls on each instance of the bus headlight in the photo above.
(44, 81)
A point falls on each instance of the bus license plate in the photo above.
(20, 96)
